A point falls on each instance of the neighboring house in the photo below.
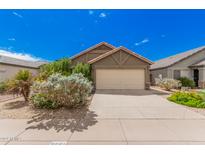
(116, 68)
(189, 64)
(10, 66)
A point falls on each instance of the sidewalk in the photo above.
(103, 131)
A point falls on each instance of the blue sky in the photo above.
(53, 34)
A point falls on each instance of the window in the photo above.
(177, 74)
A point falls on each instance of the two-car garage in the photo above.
(120, 79)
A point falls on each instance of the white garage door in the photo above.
(120, 79)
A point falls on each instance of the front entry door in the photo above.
(196, 77)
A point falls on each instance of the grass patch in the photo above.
(191, 99)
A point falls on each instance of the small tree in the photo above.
(21, 84)
(62, 66)
(84, 69)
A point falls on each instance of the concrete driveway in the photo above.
(114, 117)
(144, 117)
(138, 104)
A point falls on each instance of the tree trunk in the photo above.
(25, 96)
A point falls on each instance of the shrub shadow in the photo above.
(63, 119)
(7, 97)
(15, 105)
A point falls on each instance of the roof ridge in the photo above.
(183, 52)
(93, 47)
(171, 60)
(20, 62)
(117, 49)
(15, 58)
(22, 59)
(103, 55)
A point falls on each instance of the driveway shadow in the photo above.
(130, 92)
(64, 119)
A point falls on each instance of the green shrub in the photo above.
(3, 87)
(186, 82)
(71, 91)
(168, 84)
(191, 99)
(202, 94)
(85, 69)
(23, 75)
(21, 83)
(62, 66)
(41, 101)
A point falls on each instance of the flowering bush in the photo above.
(71, 91)
(41, 101)
(168, 84)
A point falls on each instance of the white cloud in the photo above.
(102, 15)
(145, 41)
(16, 55)
(17, 14)
(91, 12)
(142, 42)
(11, 39)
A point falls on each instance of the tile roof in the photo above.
(200, 63)
(20, 62)
(166, 62)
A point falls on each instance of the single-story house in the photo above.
(115, 67)
(189, 64)
(9, 66)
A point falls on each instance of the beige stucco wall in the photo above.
(156, 73)
(9, 71)
(186, 73)
(201, 77)
(201, 74)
